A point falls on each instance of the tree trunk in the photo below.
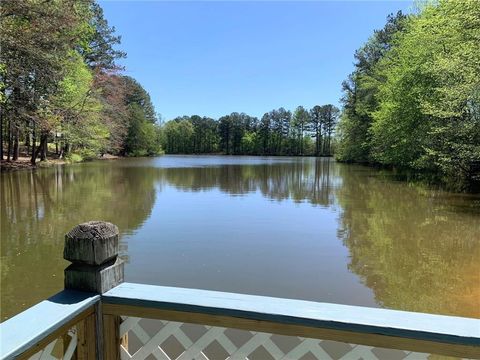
(320, 144)
(27, 138)
(40, 150)
(329, 137)
(65, 149)
(1, 133)
(9, 136)
(43, 146)
(34, 143)
(16, 135)
(324, 140)
(301, 141)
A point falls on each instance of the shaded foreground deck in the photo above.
(99, 316)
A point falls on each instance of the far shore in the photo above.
(23, 162)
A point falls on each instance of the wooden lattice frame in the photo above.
(153, 345)
(66, 347)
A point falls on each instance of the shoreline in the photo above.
(431, 180)
(23, 163)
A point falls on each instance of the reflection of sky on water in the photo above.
(245, 244)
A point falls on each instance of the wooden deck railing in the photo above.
(98, 316)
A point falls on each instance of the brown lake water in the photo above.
(304, 228)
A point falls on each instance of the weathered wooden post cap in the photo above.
(92, 247)
(92, 243)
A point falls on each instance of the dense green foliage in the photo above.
(413, 100)
(60, 84)
(278, 132)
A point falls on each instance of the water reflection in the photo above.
(39, 207)
(293, 227)
(299, 180)
(418, 250)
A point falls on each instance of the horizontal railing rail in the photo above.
(96, 313)
(420, 332)
(30, 331)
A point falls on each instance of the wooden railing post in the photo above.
(92, 248)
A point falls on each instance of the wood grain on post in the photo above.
(86, 348)
(92, 248)
(111, 337)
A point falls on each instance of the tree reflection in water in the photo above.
(416, 249)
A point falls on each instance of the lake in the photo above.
(303, 228)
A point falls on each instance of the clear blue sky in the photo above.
(213, 58)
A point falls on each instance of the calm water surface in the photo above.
(300, 228)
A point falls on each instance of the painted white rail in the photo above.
(319, 330)
(41, 325)
(264, 316)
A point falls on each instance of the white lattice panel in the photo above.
(167, 340)
(58, 349)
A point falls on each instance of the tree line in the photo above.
(413, 100)
(278, 132)
(61, 90)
